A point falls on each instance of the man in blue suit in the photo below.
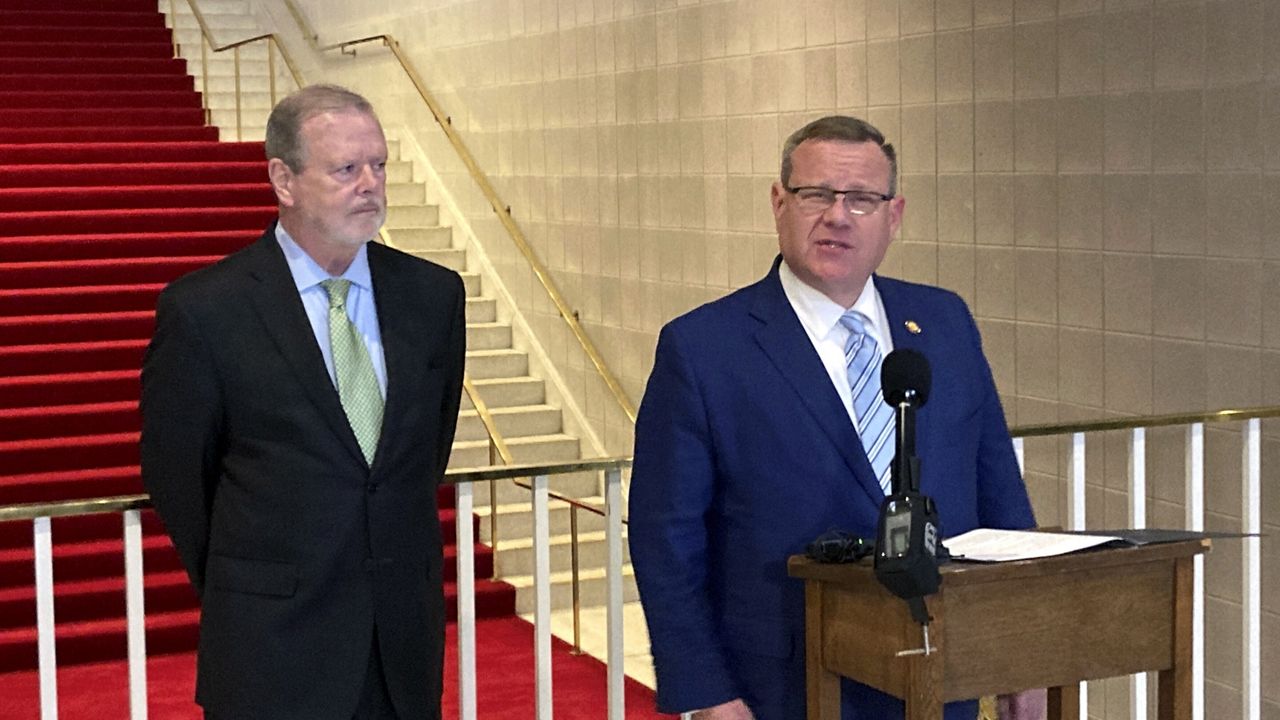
(747, 445)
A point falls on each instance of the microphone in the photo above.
(906, 560)
(905, 381)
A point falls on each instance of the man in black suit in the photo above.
(299, 400)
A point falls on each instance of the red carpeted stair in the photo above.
(112, 186)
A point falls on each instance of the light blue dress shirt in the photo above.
(361, 307)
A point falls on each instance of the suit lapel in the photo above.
(397, 349)
(909, 326)
(275, 299)
(787, 345)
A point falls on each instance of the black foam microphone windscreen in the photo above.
(905, 370)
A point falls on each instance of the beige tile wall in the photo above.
(1099, 179)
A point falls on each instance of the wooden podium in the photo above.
(1001, 628)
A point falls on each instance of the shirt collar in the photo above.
(819, 313)
(307, 273)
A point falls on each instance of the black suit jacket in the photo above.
(296, 546)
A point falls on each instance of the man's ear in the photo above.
(281, 177)
(776, 196)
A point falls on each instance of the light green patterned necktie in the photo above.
(357, 383)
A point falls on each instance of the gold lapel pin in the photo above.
(912, 327)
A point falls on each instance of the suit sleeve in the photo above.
(1002, 494)
(456, 355)
(181, 431)
(671, 494)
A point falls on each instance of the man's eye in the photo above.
(816, 194)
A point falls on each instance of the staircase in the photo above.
(532, 428)
(113, 186)
(230, 21)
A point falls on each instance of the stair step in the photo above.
(499, 392)
(69, 299)
(412, 216)
(516, 557)
(68, 484)
(92, 14)
(70, 65)
(77, 529)
(73, 357)
(455, 260)
(69, 388)
(64, 135)
(90, 560)
(68, 420)
(406, 193)
(149, 220)
(159, 50)
(72, 327)
(531, 449)
(481, 336)
(592, 588)
(100, 640)
(100, 82)
(500, 363)
(482, 310)
(98, 598)
(69, 453)
(421, 239)
(512, 422)
(80, 117)
(27, 199)
(117, 152)
(113, 247)
(170, 174)
(122, 271)
(101, 99)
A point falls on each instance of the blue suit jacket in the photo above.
(744, 454)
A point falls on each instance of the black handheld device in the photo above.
(906, 559)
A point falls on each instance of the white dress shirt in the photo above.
(361, 308)
(820, 317)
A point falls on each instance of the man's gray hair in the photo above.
(840, 128)
(284, 127)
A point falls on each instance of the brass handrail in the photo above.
(501, 209)
(273, 42)
(120, 503)
(1146, 421)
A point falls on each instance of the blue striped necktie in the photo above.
(875, 417)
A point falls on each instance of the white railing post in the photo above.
(1019, 451)
(135, 614)
(466, 582)
(1076, 478)
(1195, 521)
(1138, 519)
(42, 543)
(542, 602)
(1076, 521)
(1251, 571)
(613, 599)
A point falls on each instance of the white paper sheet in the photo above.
(988, 545)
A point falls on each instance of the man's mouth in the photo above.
(834, 244)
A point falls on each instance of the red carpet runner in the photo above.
(504, 684)
(111, 186)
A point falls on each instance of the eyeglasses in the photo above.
(814, 200)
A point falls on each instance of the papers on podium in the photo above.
(990, 545)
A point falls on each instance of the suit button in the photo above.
(371, 487)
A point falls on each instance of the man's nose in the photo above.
(368, 180)
(837, 213)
